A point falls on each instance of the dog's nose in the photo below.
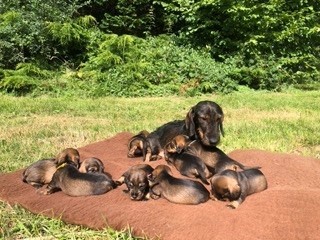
(134, 195)
(214, 141)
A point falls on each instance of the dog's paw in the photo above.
(233, 205)
(43, 191)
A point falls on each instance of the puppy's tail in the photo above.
(24, 177)
(202, 177)
(243, 167)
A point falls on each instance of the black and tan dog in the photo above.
(203, 122)
(74, 183)
(215, 159)
(136, 180)
(233, 186)
(68, 155)
(187, 164)
(156, 140)
(91, 165)
(40, 173)
(136, 143)
(176, 190)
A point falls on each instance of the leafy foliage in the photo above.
(162, 47)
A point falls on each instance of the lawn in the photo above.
(35, 128)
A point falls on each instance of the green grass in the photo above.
(34, 128)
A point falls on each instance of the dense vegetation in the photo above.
(143, 47)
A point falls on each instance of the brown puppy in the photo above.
(68, 155)
(91, 165)
(235, 186)
(215, 159)
(175, 190)
(136, 180)
(74, 183)
(136, 143)
(40, 172)
(156, 140)
(187, 164)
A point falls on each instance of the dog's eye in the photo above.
(130, 184)
(203, 118)
(142, 185)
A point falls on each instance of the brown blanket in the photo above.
(288, 209)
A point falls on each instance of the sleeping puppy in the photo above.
(136, 143)
(74, 183)
(214, 158)
(176, 190)
(136, 181)
(187, 164)
(156, 140)
(68, 155)
(235, 186)
(91, 165)
(40, 172)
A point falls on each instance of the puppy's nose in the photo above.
(214, 141)
(134, 195)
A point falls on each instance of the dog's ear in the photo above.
(189, 121)
(221, 125)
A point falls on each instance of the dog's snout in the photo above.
(214, 141)
(134, 195)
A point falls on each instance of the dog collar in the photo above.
(61, 166)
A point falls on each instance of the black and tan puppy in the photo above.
(68, 155)
(136, 180)
(214, 158)
(40, 173)
(74, 183)
(156, 140)
(91, 165)
(187, 164)
(176, 190)
(233, 186)
(136, 143)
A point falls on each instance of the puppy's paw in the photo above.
(120, 181)
(43, 191)
(233, 204)
(213, 198)
(154, 197)
(147, 197)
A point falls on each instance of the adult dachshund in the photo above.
(203, 123)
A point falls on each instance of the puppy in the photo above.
(156, 140)
(136, 143)
(214, 158)
(136, 181)
(74, 183)
(235, 186)
(40, 172)
(187, 164)
(91, 165)
(175, 190)
(68, 155)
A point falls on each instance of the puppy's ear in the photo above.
(221, 125)
(189, 121)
